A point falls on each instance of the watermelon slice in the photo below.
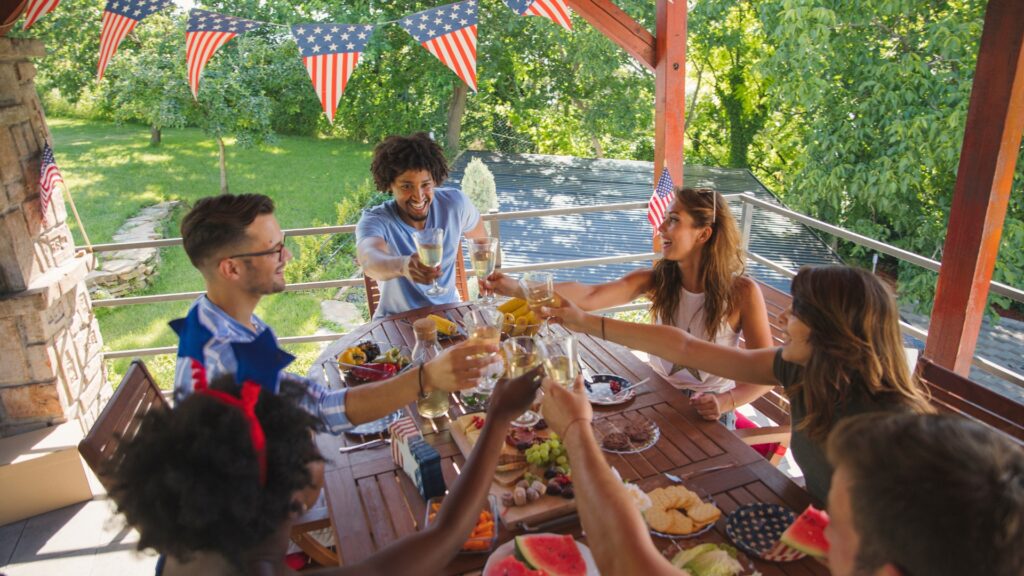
(807, 534)
(553, 554)
(511, 567)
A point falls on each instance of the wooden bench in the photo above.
(950, 391)
(373, 289)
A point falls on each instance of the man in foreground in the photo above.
(238, 246)
(412, 169)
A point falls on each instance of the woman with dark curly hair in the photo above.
(842, 355)
(412, 169)
(215, 484)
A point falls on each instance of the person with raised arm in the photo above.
(842, 355)
(216, 483)
(699, 286)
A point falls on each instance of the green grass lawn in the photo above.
(112, 172)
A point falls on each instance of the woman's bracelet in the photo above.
(565, 432)
(733, 398)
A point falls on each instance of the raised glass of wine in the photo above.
(522, 354)
(483, 323)
(561, 357)
(483, 253)
(430, 247)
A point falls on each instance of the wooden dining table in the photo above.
(372, 501)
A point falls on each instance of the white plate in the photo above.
(508, 548)
(599, 390)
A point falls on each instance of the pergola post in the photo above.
(670, 88)
(992, 138)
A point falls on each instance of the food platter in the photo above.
(704, 498)
(603, 390)
(756, 529)
(628, 435)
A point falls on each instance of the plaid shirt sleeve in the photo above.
(322, 402)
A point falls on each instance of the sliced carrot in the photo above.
(476, 545)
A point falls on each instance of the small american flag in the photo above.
(330, 53)
(205, 34)
(120, 18)
(49, 176)
(37, 8)
(555, 10)
(449, 33)
(660, 199)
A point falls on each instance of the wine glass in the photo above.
(561, 357)
(483, 253)
(539, 289)
(521, 356)
(484, 326)
(430, 247)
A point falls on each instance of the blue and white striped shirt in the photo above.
(219, 359)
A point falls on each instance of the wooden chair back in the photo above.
(954, 393)
(373, 290)
(120, 419)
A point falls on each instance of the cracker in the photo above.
(704, 513)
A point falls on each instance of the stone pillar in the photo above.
(51, 366)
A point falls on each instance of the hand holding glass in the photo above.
(561, 357)
(430, 247)
(483, 252)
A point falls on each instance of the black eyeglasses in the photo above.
(279, 250)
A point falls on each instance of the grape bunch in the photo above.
(550, 452)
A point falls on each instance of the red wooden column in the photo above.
(670, 88)
(992, 137)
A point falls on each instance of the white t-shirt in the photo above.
(690, 317)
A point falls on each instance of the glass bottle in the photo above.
(435, 403)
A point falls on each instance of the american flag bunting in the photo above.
(120, 18)
(49, 177)
(37, 8)
(449, 33)
(660, 199)
(555, 10)
(205, 34)
(330, 53)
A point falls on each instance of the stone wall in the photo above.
(51, 368)
(122, 272)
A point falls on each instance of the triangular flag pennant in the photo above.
(205, 34)
(37, 8)
(330, 53)
(555, 10)
(120, 18)
(449, 33)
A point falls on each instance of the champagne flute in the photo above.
(430, 247)
(484, 326)
(561, 357)
(539, 289)
(483, 253)
(521, 356)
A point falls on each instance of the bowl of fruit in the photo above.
(370, 361)
(519, 320)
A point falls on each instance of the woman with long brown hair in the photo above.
(698, 286)
(842, 355)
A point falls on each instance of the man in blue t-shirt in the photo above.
(409, 168)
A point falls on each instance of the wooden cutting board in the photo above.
(544, 508)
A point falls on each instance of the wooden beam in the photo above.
(669, 91)
(9, 13)
(992, 137)
(619, 27)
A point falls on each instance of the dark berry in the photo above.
(540, 425)
(567, 493)
(550, 473)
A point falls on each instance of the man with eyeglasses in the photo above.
(237, 244)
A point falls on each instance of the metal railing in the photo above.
(748, 201)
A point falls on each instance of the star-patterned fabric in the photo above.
(555, 10)
(330, 53)
(449, 33)
(220, 355)
(206, 33)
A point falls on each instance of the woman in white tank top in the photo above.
(699, 286)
